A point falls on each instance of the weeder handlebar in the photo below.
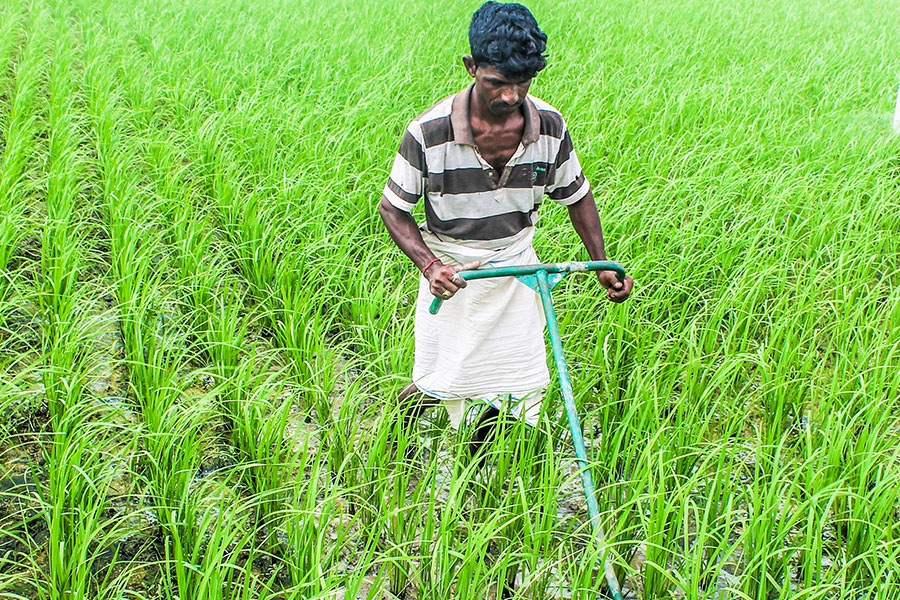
(524, 270)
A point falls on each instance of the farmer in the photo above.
(482, 161)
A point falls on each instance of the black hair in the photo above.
(507, 37)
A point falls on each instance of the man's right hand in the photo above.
(443, 279)
(616, 291)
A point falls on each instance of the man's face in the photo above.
(502, 95)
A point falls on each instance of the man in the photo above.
(481, 161)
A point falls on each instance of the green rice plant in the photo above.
(660, 497)
(869, 511)
(348, 439)
(881, 580)
(261, 246)
(63, 300)
(20, 145)
(579, 552)
(775, 507)
(67, 369)
(537, 539)
(201, 265)
(75, 491)
(367, 474)
(823, 492)
(15, 398)
(622, 467)
(859, 462)
(317, 530)
(709, 521)
(207, 562)
(521, 477)
(174, 440)
(282, 281)
(259, 414)
(302, 327)
(197, 263)
(373, 302)
(171, 460)
(399, 497)
(474, 576)
(447, 542)
(225, 333)
(578, 565)
(15, 23)
(154, 358)
(355, 583)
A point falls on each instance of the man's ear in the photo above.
(469, 63)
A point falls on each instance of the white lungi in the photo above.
(487, 342)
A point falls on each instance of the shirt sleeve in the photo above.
(406, 182)
(568, 184)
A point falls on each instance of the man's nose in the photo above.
(510, 96)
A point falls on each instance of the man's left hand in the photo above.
(616, 291)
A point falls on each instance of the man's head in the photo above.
(507, 52)
(507, 37)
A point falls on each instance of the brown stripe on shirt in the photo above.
(412, 151)
(484, 228)
(437, 132)
(570, 189)
(460, 181)
(528, 175)
(565, 150)
(403, 194)
(551, 123)
(473, 180)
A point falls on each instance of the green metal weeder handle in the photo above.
(525, 270)
(542, 279)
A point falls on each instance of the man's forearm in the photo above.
(405, 232)
(586, 221)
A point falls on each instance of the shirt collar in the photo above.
(462, 125)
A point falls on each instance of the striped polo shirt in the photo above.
(465, 198)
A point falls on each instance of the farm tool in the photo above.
(543, 278)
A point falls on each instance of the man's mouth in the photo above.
(505, 108)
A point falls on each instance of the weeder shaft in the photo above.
(575, 427)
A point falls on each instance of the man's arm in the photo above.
(403, 230)
(586, 221)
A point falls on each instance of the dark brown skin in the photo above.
(497, 126)
(498, 123)
(405, 233)
(496, 112)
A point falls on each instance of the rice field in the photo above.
(204, 324)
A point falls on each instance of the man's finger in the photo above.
(613, 279)
(441, 292)
(620, 295)
(607, 279)
(447, 283)
(457, 279)
(468, 266)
